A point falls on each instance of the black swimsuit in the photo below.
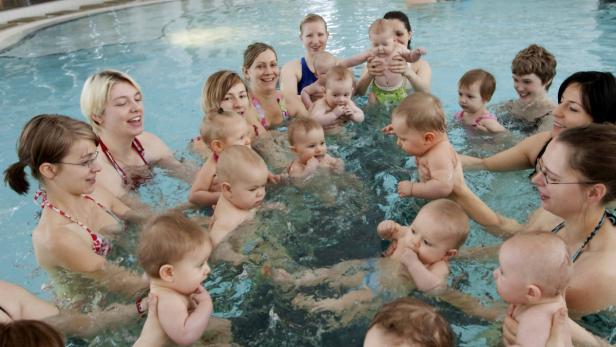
(610, 216)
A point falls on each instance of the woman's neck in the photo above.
(119, 146)
(62, 199)
(264, 94)
(581, 225)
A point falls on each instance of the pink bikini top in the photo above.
(261, 111)
(460, 117)
(100, 246)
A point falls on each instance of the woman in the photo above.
(112, 102)
(418, 74)
(298, 74)
(261, 71)
(584, 97)
(225, 90)
(72, 233)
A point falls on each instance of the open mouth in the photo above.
(135, 120)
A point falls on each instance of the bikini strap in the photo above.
(115, 164)
(139, 149)
(97, 244)
(592, 234)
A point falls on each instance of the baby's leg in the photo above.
(337, 305)
(338, 275)
(372, 98)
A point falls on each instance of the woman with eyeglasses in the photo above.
(72, 236)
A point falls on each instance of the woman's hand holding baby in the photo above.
(376, 67)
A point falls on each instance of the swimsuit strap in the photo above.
(483, 117)
(136, 144)
(612, 219)
(459, 116)
(6, 312)
(98, 245)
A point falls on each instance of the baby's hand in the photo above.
(388, 129)
(275, 179)
(408, 256)
(312, 164)
(201, 297)
(388, 230)
(340, 110)
(405, 188)
(336, 165)
(415, 55)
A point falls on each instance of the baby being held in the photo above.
(337, 108)
(409, 322)
(219, 131)
(323, 62)
(388, 87)
(174, 251)
(419, 124)
(532, 277)
(307, 141)
(475, 89)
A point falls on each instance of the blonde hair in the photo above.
(415, 322)
(303, 125)
(422, 111)
(451, 217)
(236, 161)
(322, 59)
(381, 26)
(216, 88)
(253, 51)
(542, 259)
(487, 83)
(339, 73)
(311, 18)
(96, 90)
(215, 125)
(166, 238)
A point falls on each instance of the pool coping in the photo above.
(18, 29)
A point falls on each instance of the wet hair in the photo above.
(397, 15)
(340, 74)
(311, 18)
(538, 60)
(96, 90)
(215, 125)
(46, 138)
(236, 161)
(380, 26)
(166, 238)
(541, 258)
(450, 216)
(592, 154)
(414, 322)
(598, 94)
(487, 83)
(253, 51)
(301, 125)
(216, 88)
(29, 333)
(323, 58)
(422, 111)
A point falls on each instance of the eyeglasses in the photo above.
(540, 169)
(86, 163)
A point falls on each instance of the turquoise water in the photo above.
(171, 48)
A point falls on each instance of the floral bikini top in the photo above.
(100, 245)
(261, 111)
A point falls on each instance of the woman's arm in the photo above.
(163, 157)
(289, 76)
(419, 74)
(86, 325)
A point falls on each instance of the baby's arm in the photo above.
(201, 191)
(347, 301)
(440, 184)
(355, 113)
(491, 125)
(426, 278)
(320, 114)
(411, 56)
(534, 327)
(307, 94)
(356, 59)
(389, 230)
(181, 327)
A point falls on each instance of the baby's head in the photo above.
(533, 266)
(307, 139)
(475, 89)
(418, 122)
(338, 86)
(173, 251)
(382, 36)
(220, 130)
(408, 322)
(323, 62)
(437, 232)
(533, 70)
(243, 175)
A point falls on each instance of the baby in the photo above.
(307, 141)
(421, 257)
(533, 70)
(389, 87)
(475, 89)
(323, 62)
(174, 251)
(337, 108)
(534, 271)
(409, 322)
(219, 131)
(419, 124)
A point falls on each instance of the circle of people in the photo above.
(552, 270)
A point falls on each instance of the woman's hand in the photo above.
(398, 65)
(557, 331)
(510, 328)
(376, 67)
(152, 334)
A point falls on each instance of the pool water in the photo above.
(171, 48)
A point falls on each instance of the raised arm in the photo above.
(355, 59)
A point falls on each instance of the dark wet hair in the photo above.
(598, 91)
(44, 139)
(403, 18)
(29, 333)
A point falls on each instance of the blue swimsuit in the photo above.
(307, 79)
